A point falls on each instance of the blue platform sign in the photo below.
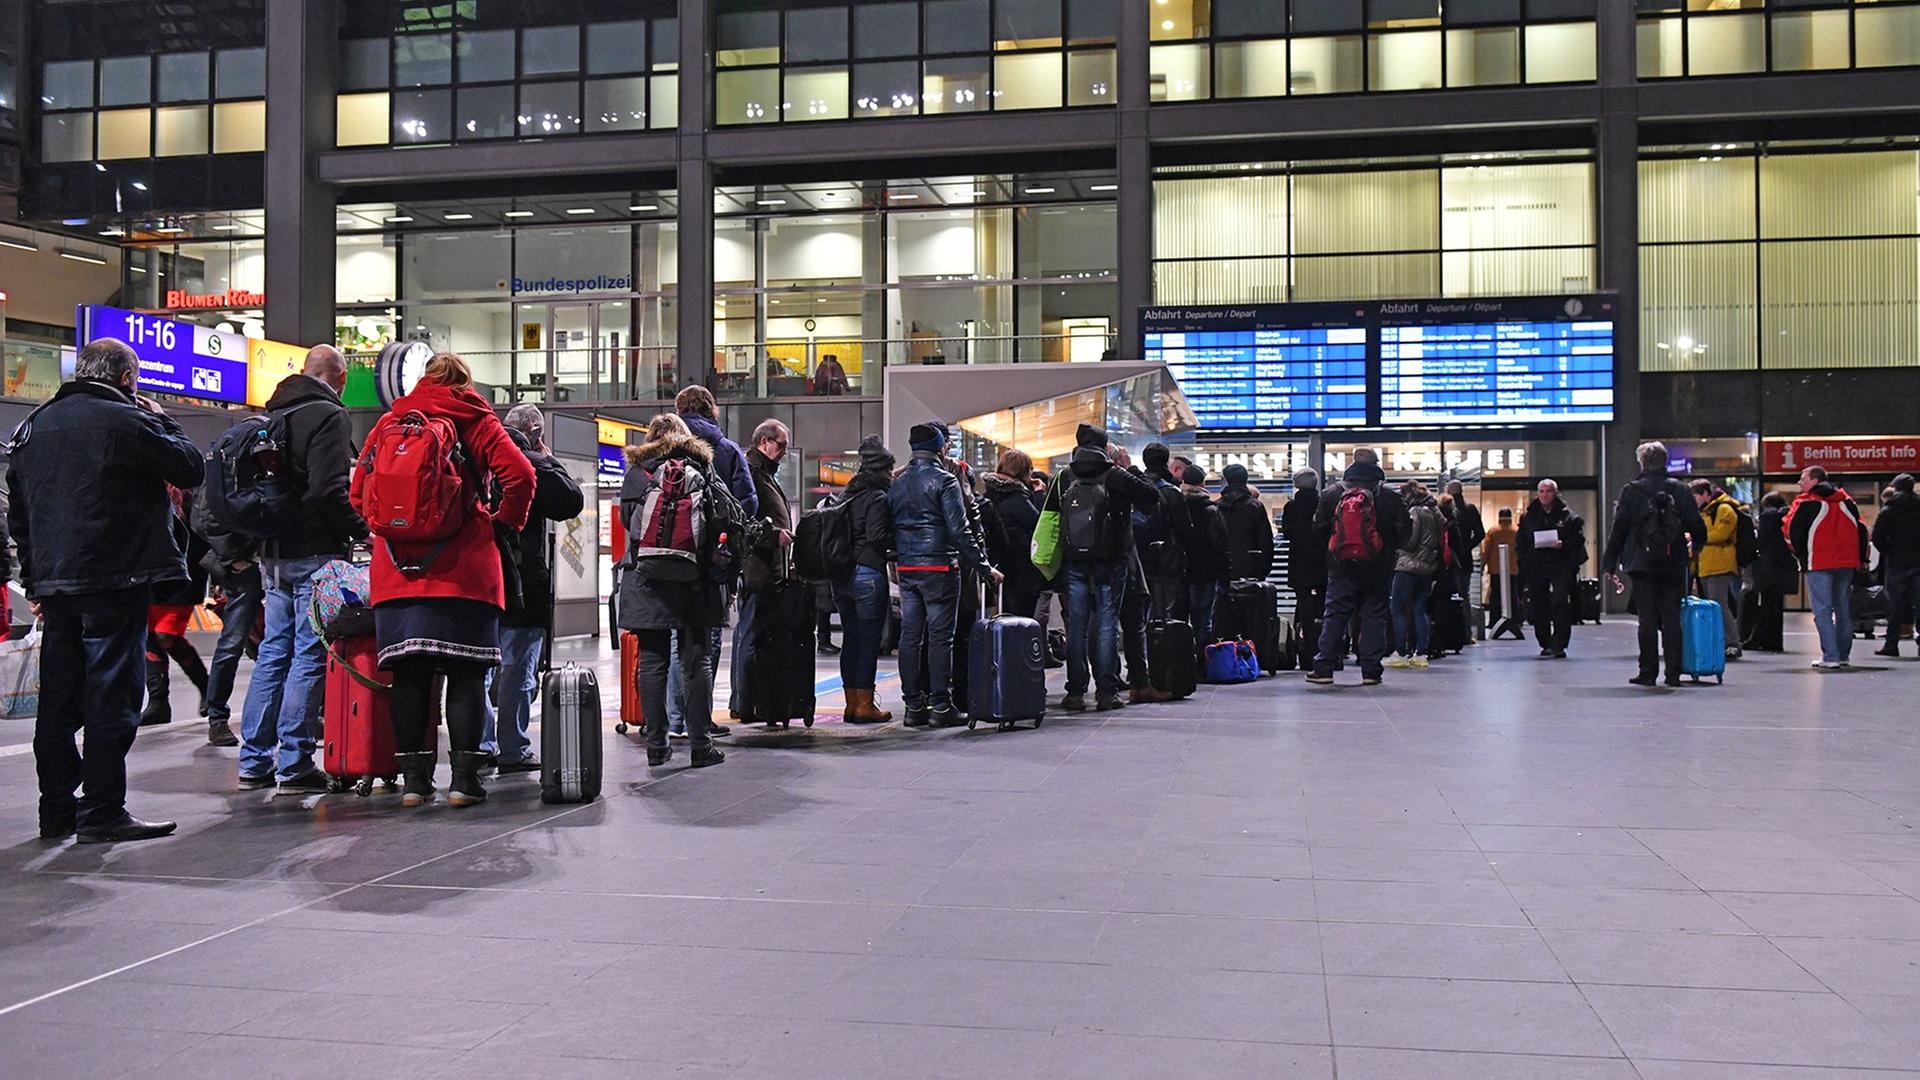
(175, 357)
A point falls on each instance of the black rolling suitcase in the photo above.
(779, 670)
(1587, 600)
(570, 735)
(1447, 619)
(1008, 679)
(1173, 659)
(1250, 611)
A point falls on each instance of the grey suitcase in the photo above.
(570, 736)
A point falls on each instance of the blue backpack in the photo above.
(251, 489)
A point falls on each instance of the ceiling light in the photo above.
(1039, 191)
(170, 230)
(1166, 24)
(459, 217)
(343, 221)
(136, 268)
(226, 228)
(580, 210)
(769, 202)
(398, 219)
(646, 209)
(905, 196)
(518, 213)
(23, 245)
(139, 185)
(81, 256)
(113, 232)
(1104, 187)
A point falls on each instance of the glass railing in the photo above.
(30, 369)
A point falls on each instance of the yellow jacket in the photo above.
(1723, 525)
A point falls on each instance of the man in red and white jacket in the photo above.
(1827, 537)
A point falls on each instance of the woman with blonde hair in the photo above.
(437, 604)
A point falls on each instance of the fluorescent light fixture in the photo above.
(399, 219)
(113, 232)
(343, 221)
(518, 213)
(1040, 191)
(170, 230)
(136, 268)
(81, 256)
(1104, 187)
(903, 196)
(459, 217)
(73, 221)
(23, 245)
(97, 167)
(647, 208)
(769, 202)
(580, 210)
(226, 228)
(139, 185)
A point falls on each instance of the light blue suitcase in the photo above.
(1703, 640)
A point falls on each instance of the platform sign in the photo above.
(1264, 367)
(1522, 360)
(175, 357)
(269, 362)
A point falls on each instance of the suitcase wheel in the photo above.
(807, 720)
(1006, 725)
(971, 724)
(620, 728)
(390, 783)
(364, 788)
(338, 785)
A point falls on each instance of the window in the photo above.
(363, 64)
(361, 119)
(126, 80)
(1483, 57)
(616, 104)
(1737, 37)
(1561, 52)
(180, 130)
(747, 97)
(1027, 81)
(549, 109)
(956, 85)
(815, 34)
(891, 29)
(422, 116)
(239, 73)
(956, 26)
(616, 47)
(485, 56)
(183, 76)
(816, 93)
(1180, 73)
(423, 59)
(239, 127)
(66, 136)
(484, 112)
(889, 88)
(550, 50)
(67, 84)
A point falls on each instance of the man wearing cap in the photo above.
(932, 540)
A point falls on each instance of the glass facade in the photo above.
(1791, 258)
(1272, 48)
(795, 61)
(172, 104)
(1740, 37)
(1483, 225)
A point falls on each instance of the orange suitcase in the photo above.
(629, 683)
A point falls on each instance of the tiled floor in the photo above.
(1499, 868)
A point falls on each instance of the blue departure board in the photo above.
(175, 357)
(1263, 367)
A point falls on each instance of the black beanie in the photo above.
(1088, 435)
(1195, 475)
(926, 437)
(874, 454)
(1155, 456)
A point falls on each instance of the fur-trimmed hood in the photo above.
(686, 446)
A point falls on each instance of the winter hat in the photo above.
(1154, 457)
(1088, 435)
(1195, 476)
(926, 437)
(875, 455)
(1235, 475)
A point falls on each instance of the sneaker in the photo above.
(1108, 703)
(1827, 665)
(220, 733)
(719, 731)
(529, 763)
(1074, 703)
(1398, 661)
(255, 783)
(677, 733)
(713, 756)
(1418, 662)
(311, 782)
(1320, 678)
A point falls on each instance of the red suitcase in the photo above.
(356, 727)
(629, 684)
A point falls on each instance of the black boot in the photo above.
(417, 770)
(159, 710)
(465, 790)
(220, 733)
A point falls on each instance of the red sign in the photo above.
(1843, 455)
(232, 298)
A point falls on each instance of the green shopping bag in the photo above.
(1047, 553)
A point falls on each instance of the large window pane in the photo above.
(423, 116)
(1403, 61)
(1180, 20)
(1698, 308)
(1726, 44)
(1180, 73)
(240, 73)
(1661, 55)
(549, 108)
(956, 26)
(1316, 16)
(1336, 213)
(1249, 18)
(1221, 281)
(126, 80)
(1027, 81)
(1366, 277)
(1561, 52)
(363, 65)
(66, 136)
(1687, 199)
(1486, 57)
(484, 112)
(1328, 65)
(746, 38)
(886, 89)
(616, 104)
(746, 97)
(665, 39)
(486, 56)
(1028, 24)
(1482, 11)
(549, 50)
(1840, 303)
(1094, 21)
(1514, 206)
(240, 127)
(183, 76)
(816, 93)
(617, 47)
(361, 120)
(1218, 217)
(1090, 77)
(1886, 37)
(1516, 273)
(1821, 195)
(1243, 69)
(181, 130)
(1393, 13)
(423, 59)
(459, 264)
(67, 84)
(1809, 40)
(955, 86)
(886, 29)
(665, 106)
(125, 133)
(816, 34)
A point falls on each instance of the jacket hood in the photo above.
(520, 440)
(1426, 499)
(1906, 500)
(1360, 473)
(703, 428)
(1002, 487)
(671, 446)
(297, 388)
(1826, 492)
(1196, 491)
(1090, 461)
(870, 480)
(461, 405)
(1234, 496)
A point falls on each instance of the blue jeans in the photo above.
(284, 699)
(93, 664)
(1094, 594)
(519, 677)
(243, 609)
(862, 602)
(742, 637)
(1409, 603)
(1831, 592)
(1200, 600)
(677, 686)
(1346, 594)
(929, 612)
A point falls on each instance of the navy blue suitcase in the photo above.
(1007, 671)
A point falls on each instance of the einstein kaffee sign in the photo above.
(1844, 455)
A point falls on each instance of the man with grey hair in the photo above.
(1306, 561)
(282, 712)
(1653, 521)
(93, 520)
(528, 617)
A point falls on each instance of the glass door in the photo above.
(570, 370)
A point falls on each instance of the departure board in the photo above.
(1525, 360)
(1265, 366)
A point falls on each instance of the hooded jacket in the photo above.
(555, 498)
(866, 495)
(1420, 551)
(650, 604)
(89, 509)
(1896, 532)
(729, 464)
(1249, 533)
(468, 564)
(760, 564)
(320, 443)
(1012, 511)
(1167, 538)
(1721, 554)
(1572, 530)
(1306, 544)
(1824, 526)
(931, 529)
(1127, 491)
(1210, 557)
(1625, 553)
(1389, 512)
(1777, 571)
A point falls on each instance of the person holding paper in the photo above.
(1553, 547)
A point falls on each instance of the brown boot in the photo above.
(860, 708)
(873, 706)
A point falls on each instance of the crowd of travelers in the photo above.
(1146, 565)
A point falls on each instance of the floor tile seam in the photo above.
(1867, 1072)
(1069, 1031)
(1486, 1053)
(270, 916)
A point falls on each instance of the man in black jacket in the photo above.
(1652, 522)
(1360, 582)
(1165, 537)
(1208, 566)
(1249, 527)
(524, 625)
(1896, 535)
(93, 520)
(1474, 532)
(1550, 566)
(282, 713)
(762, 563)
(1096, 576)
(1306, 561)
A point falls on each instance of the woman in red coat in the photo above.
(444, 618)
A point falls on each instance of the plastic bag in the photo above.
(20, 676)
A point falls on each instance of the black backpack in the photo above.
(252, 489)
(824, 548)
(1659, 528)
(1746, 538)
(1083, 518)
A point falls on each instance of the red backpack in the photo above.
(416, 490)
(670, 528)
(1356, 527)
